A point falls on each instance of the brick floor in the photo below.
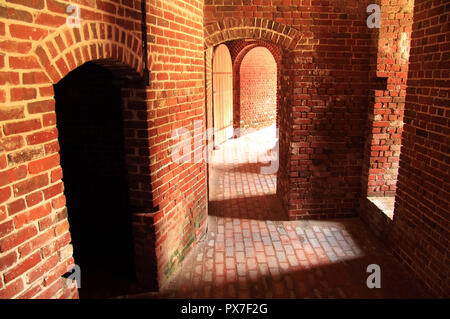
(252, 251)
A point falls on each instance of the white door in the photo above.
(222, 95)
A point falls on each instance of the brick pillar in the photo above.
(145, 250)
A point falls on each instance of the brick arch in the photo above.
(251, 28)
(119, 51)
(285, 37)
(69, 48)
(239, 49)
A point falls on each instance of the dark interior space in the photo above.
(91, 136)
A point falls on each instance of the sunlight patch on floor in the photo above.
(253, 146)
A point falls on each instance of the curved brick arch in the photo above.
(239, 49)
(257, 88)
(253, 28)
(116, 49)
(67, 49)
(287, 38)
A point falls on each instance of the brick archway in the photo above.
(239, 49)
(251, 28)
(119, 51)
(63, 51)
(113, 48)
(286, 38)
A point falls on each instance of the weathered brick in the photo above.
(25, 155)
(9, 291)
(30, 185)
(9, 78)
(35, 4)
(6, 228)
(5, 194)
(11, 143)
(42, 136)
(53, 191)
(32, 215)
(42, 269)
(22, 267)
(41, 106)
(22, 126)
(50, 20)
(26, 32)
(7, 260)
(20, 62)
(36, 243)
(22, 94)
(12, 175)
(15, 239)
(16, 206)
(35, 78)
(15, 14)
(43, 164)
(34, 198)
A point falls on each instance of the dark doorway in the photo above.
(91, 136)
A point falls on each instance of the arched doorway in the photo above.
(258, 89)
(91, 130)
(243, 171)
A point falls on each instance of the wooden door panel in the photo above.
(222, 94)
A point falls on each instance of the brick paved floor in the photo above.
(242, 258)
(252, 251)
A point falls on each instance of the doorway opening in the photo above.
(92, 148)
(386, 114)
(258, 90)
(243, 167)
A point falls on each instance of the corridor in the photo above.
(251, 250)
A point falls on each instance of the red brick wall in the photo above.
(387, 100)
(177, 100)
(325, 79)
(258, 89)
(37, 50)
(421, 231)
(325, 84)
